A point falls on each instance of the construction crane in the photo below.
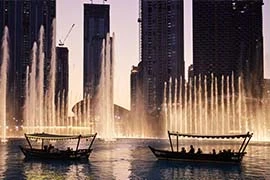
(61, 43)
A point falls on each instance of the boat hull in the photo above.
(61, 155)
(178, 156)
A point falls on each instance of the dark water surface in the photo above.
(129, 159)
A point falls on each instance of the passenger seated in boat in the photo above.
(214, 152)
(199, 151)
(192, 150)
(50, 148)
(183, 150)
(45, 147)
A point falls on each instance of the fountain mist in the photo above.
(217, 113)
(43, 110)
(105, 111)
(52, 80)
(3, 83)
(189, 107)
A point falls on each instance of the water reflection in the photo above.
(3, 156)
(150, 168)
(112, 160)
(12, 161)
(174, 170)
(130, 159)
(36, 169)
(255, 161)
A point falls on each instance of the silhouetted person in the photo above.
(183, 150)
(192, 150)
(199, 151)
(214, 152)
(50, 148)
(45, 148)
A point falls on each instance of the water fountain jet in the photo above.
(230, 111)
(3, 84)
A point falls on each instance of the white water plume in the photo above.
(52, 78)
(3, 83)
(106, 126)
(227, 112)
(40, 79)
(32, 87)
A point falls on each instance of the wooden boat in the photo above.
(226, 157)
(49, 152)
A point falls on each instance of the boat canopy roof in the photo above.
(46, 136)
(212, 136)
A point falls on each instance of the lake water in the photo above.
(130, 159)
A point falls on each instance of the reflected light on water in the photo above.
(115, 157)
(3, 157)
(131, 159)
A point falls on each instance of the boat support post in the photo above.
(28, 140)
(243, 143)
(170, 140)
(177, 141)
(249, 137)
(92, 141)
(78, 143)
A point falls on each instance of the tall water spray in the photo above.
(106, 126)
(40, 80)
(188, 107)
(33, 111)
(210, 112)
(3, 83)
(45, 111)
(40, 108)
(52, 78)
(32, 88)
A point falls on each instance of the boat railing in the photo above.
(54, 137)
(241, 150)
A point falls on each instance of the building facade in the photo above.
(228, 41)
(24, 19)
(161, 48)
(96, 27)
(135, 90)
(62, 78)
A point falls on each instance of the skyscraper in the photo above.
(228, 39)
(96, 27)
(62, 74)
(137, 123)
(24, 19)
(162, 50)
(135, 90)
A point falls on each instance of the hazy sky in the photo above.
(123, 17)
